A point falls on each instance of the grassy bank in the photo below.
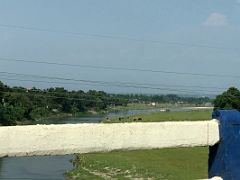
(133, 106)
(57, 116)
(174, 164)
(141, 106)
(164, 116)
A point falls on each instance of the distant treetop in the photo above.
(230, 99)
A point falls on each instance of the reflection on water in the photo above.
(72, 120)
(45, 167)
(153, 110)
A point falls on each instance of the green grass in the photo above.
(132, 106)
(140, 106)
(179, 164)
(164, 116)
(171, 164)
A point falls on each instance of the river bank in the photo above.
(44, 167)
(174, 164)
(130, 109)
(143, 106)
(55, 166)
(158, 116)
(146, 164)
(59, 117)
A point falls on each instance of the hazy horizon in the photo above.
(198, 37)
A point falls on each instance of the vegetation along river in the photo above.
(53, 167)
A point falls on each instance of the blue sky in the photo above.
(209, 27)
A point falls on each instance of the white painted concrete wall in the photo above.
(84, 138)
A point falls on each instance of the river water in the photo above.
(53, 167)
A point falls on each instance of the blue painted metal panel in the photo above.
(224, 157)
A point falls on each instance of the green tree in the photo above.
(1, 91)
(230, 99)
(7, 117)
(19, 104)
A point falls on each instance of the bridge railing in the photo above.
(222, 134)
(85, 138)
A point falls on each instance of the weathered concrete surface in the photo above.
(84, 138)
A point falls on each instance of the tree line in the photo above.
(19, 104)
(169, 98)
(229, 99)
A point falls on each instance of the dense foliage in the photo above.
(230, 99)
(18, 104)
(170, 98)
